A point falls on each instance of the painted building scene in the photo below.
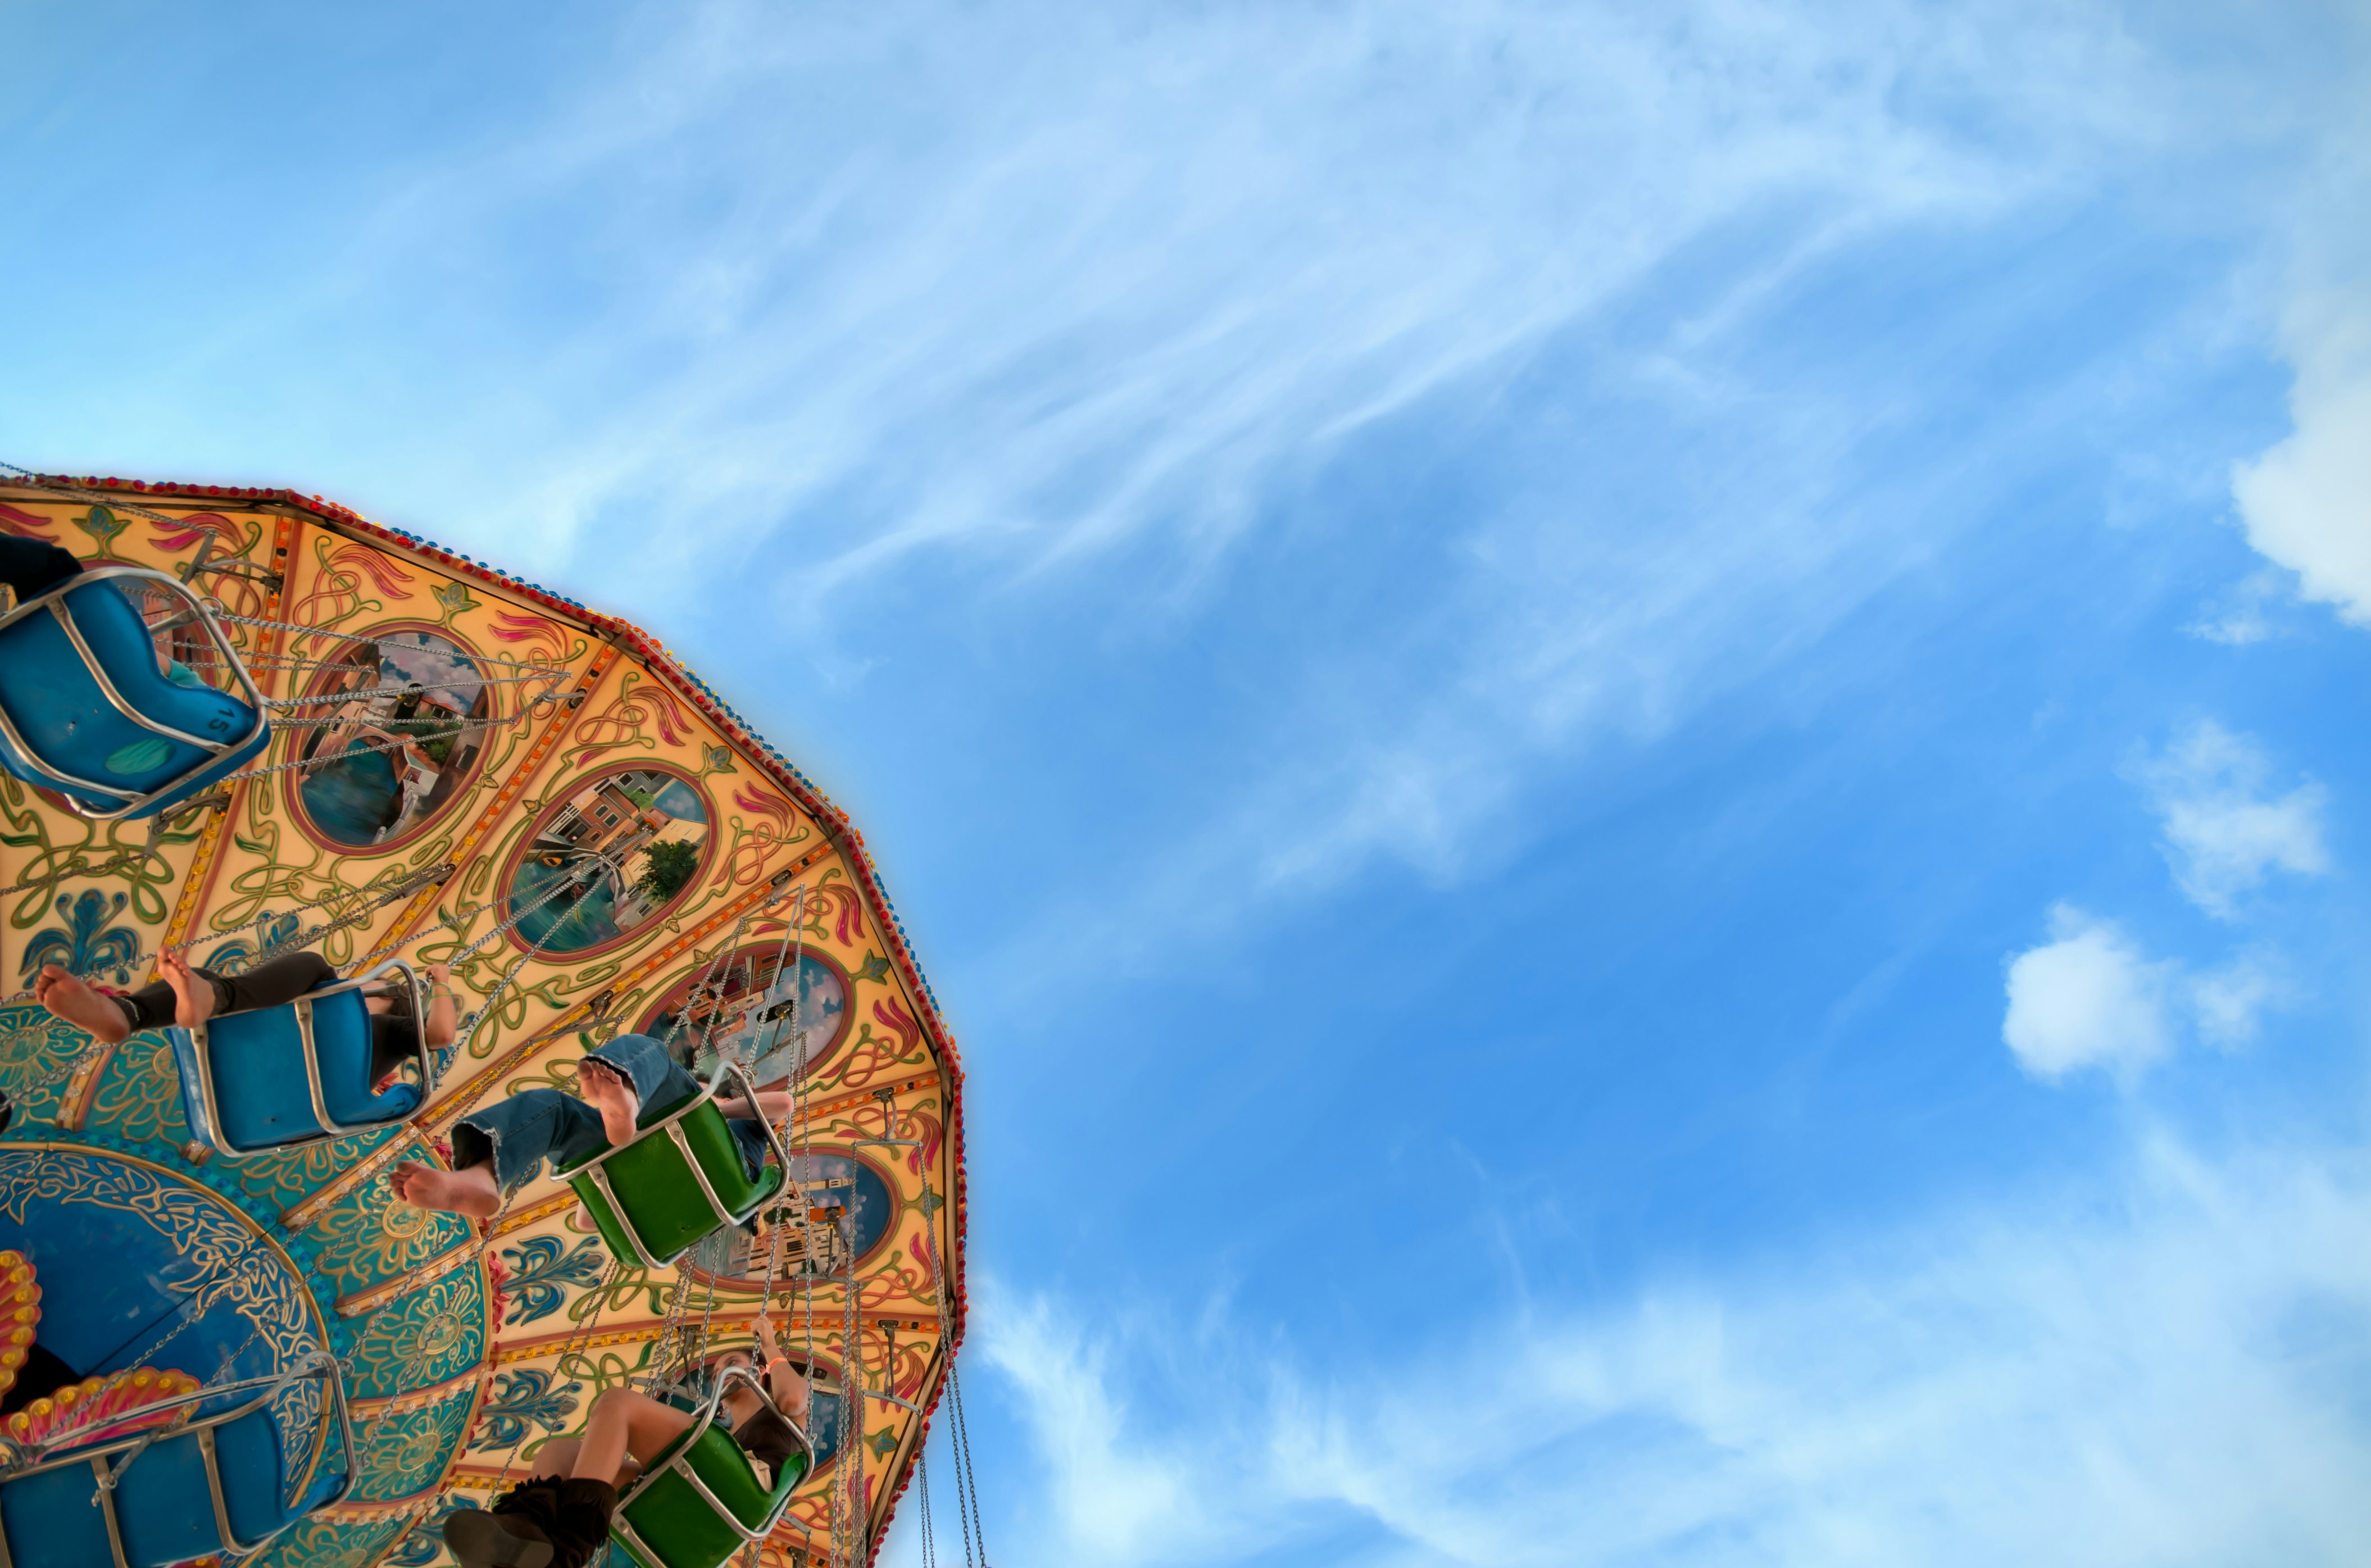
(612, 855)
(409, 731)
(782, 1008)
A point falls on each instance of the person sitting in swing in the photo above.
(559, 1516)
(497, 1149)
(190, 994)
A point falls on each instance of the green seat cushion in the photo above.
(675, 1522)
(660, 1197)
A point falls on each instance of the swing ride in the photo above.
(255, 725)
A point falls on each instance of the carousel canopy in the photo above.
(460, 767)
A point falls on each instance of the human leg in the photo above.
(624, 1422)
(555, 1459)
(559, 1515)
(276, 981)
(498, 1147)
(395, 1040)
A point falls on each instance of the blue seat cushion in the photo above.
(258, 1067)
(67, 721)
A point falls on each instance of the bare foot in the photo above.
(70, 1000)
(469, 1192)
(194, 994)
(607, 1092)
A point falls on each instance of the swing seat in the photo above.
(699, 1502)
(267, 1078)
(219, 1484)
(682, 1178)
(85, 712)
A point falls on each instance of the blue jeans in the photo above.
(519, 1134)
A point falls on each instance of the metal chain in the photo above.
(696, 1349)
(658, 1376)
(361, 694)
(537, 707)
(109, 1475)
(722, 955)
(532, 668)
(567, 1348)
(76, 867)
(389, 894)
(930, 1535)
(959, 1437)
(268, 770)
(851, 1403)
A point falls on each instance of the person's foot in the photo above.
(194, 994)
(469, 1192)
(69, 999)
(607, 1091)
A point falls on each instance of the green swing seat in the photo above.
(699, 1502)
(682, 1178)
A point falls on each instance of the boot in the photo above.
(514, 1533)
(579, 1526)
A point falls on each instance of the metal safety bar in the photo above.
(319, 1363)
(53, 601)
(681, 1464)
(220, 1142)
(671, 1125)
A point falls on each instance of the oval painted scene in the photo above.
(616, 852)
(770, 1004)
(401, 725)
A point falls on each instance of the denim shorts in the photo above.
(521, 1132)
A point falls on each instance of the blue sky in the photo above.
(1630, 738)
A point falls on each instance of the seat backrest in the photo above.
(261, 1099)
(661, 1200)
(67, 721)
(677, 1523)
(163, 1506)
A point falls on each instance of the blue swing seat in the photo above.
(218, 1484)
(84, 711)
(267, 1078)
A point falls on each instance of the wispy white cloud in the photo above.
(2229, 1001)
(1032, 283)
(1107, 1493)
(2243, 615)
(2168, 1373)
(2224, 832)
(2306, 502)
(2085, 998)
